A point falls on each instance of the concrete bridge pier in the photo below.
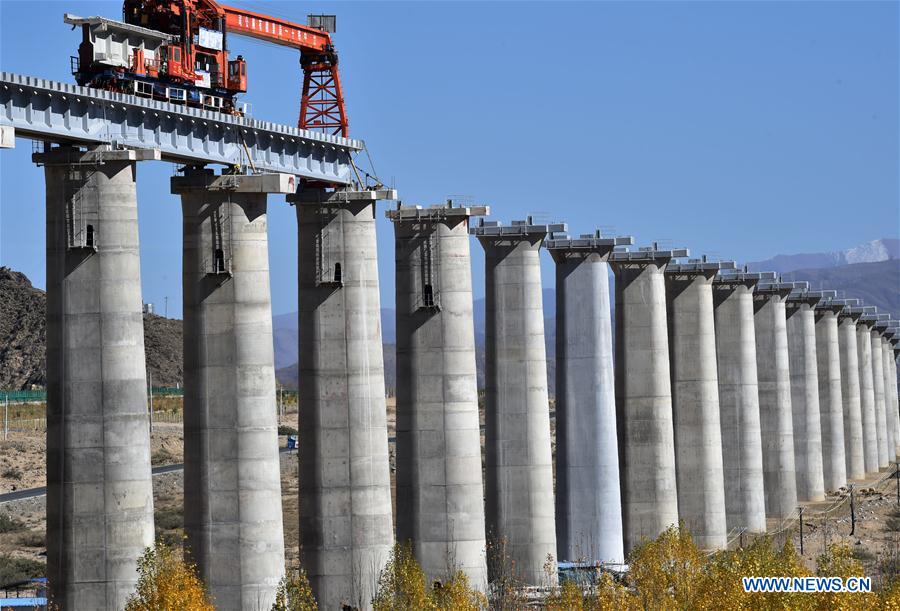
(99, 489)
(804, 376)
(890, 380)
(519, 507)
(851, 397)
(831, 411)
(745, 505)
(346, 522)
(440, 492)
(776, 420)
(588, 498)
(867, 387)
(232, 475)
(881, 425)
(695, 400)
(644, 394)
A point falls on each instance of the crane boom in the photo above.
(322, 99)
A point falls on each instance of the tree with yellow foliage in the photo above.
(295, 594)
(167, 582)
(401, 585)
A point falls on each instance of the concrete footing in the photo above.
(831, 402)
(99, 489)
(695, 401)
(854, 446)
(801, 331)
(440, 498)
(588, 498)
(232, 474)
(867, 391)
(776, 420)
(739, 401)
(519, 507)
(346, 524)
(644, 395)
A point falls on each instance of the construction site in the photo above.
(689, 390)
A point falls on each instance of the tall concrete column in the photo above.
(519, 507)
(745, 505)
(881, 426)
(232, 474)
(890, 378)
(893, 349)
(801, 331)
(878, 353)
(831, 402)
(854, 446)
(695, 400)
(775, 412)
(346, 523)
(440, 493)
(588, 499)
(867, 388)
(644, 395)
(99, 488)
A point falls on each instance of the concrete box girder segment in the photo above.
(345, 513)
(588, 496)
(776, 418)
(739, 399)
(440, 491)
(695, 399)
(232, 476)
(644, 394)
(519, 508)
(53, 111)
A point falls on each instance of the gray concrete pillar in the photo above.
(232, 474)
(878, 352)
(775, 415)
(644, 395)
(867, 391)
(893, 349)
(804, 374)
(99, 488)
(346, 523)
(881, 427)
(519, 507)
(695, 400)
(745, 505)
(588, 499)
(831, 402)
(440, 494)
(854, 446)
(890, 379)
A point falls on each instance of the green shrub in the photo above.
(9, 524)
(15, 570)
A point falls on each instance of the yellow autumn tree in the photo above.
(295, 594)
(456, 594)
(401, 586)
(167, 582)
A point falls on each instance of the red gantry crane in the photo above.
(176, 50)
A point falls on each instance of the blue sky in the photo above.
(738, 129)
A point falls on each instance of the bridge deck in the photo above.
(59, 112)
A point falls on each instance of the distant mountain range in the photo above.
(884, 249)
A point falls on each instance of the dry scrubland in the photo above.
(873, 550)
